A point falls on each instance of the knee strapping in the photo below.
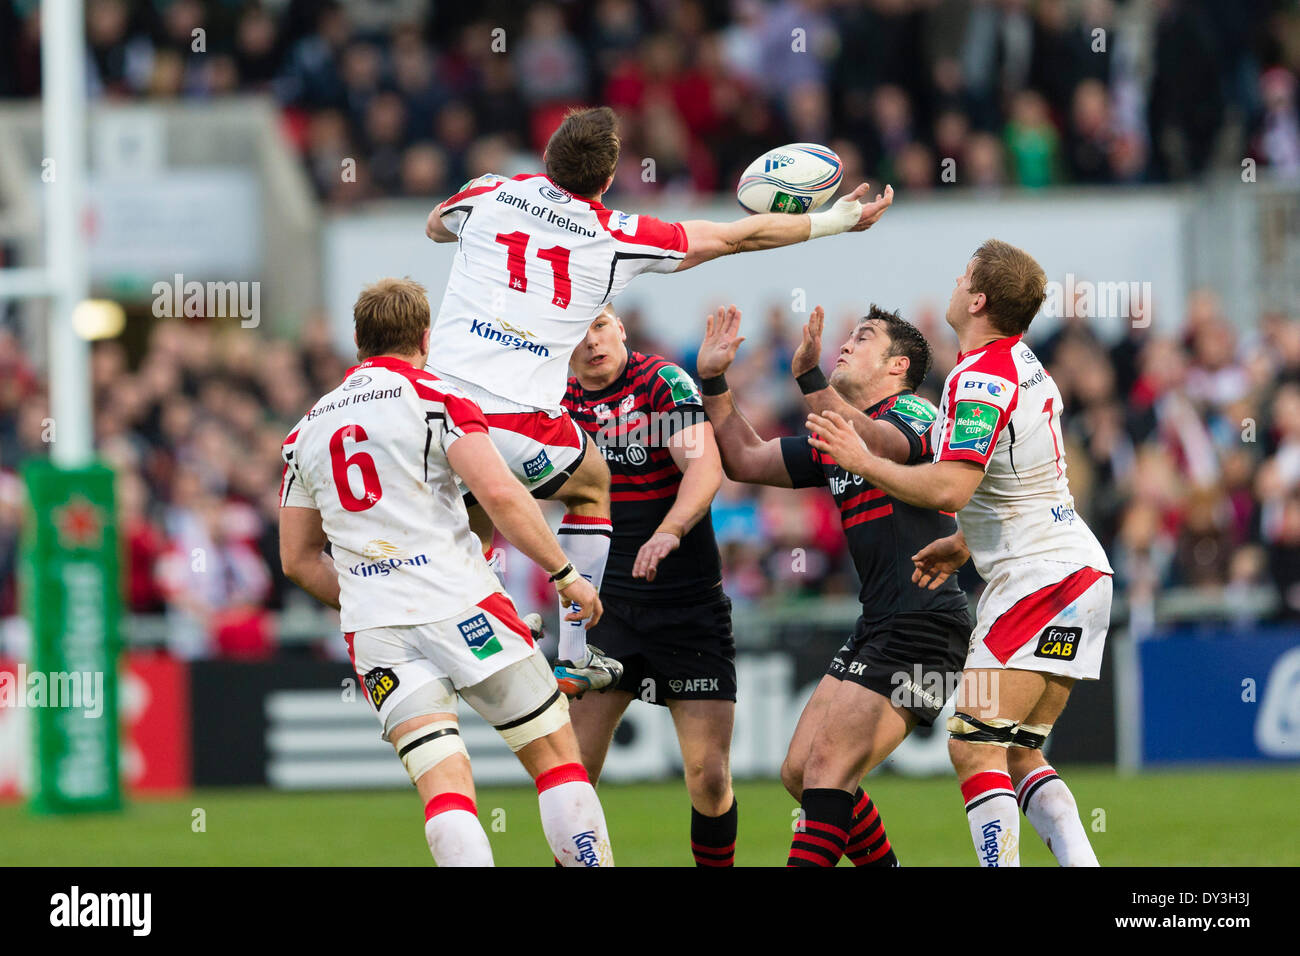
(1031, 736)
(521, 701)
(546, 719)
(425, 747)
(996, 731)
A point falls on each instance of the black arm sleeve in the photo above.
(804, 469)
(920, 448)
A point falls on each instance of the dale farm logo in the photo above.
(479, 636)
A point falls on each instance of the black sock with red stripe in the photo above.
(823, 828)
(868, 844)
(713, 839)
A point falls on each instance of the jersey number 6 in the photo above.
(341, 462)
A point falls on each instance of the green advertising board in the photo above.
(71, 598)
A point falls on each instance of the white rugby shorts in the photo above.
(542, 447)
(393, 663)
(1046, 616)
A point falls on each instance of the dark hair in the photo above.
(904, 339)
(390, 317)
(583, 152)
(1013, 284)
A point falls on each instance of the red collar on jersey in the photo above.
(383, 361)
(593, 203)
(997, 345)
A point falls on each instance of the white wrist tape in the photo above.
(841, 217)
(563, 582)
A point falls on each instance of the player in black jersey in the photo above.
(666, 617)
(906, 652)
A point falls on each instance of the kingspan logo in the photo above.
(387, 565)
(508, 336)
(588, 848)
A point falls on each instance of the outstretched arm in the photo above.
(882, 438)
(706, 240)
(940, 486)
(745, 456)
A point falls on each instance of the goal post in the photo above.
(70, 590)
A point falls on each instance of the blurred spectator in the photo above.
(1070, 90)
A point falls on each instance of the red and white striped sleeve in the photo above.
(644, 243)
(455, 210)
(293, 492)
(449, 412)
(978, 404)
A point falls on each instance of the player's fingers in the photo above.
(859, 192)
(733, 319)
(708, 326)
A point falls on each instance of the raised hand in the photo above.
(872, 211)
(809, 353)
(721, 339)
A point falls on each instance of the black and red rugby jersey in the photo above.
(883, 533)
(632, 421)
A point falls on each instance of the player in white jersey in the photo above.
(1041, 624)
(372, 471)
(538, 258)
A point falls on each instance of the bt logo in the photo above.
(993, 388)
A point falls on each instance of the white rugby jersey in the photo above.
(1002, 410)
(371, 457)
(535, 266)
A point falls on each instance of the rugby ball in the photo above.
(795, 179)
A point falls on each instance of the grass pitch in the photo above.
(1205, 817)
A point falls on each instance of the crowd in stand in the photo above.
(421, 96)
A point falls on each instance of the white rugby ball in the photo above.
(795, 179)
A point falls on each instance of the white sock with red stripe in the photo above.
(586, 542)
(1051, 809)
(994, 818)
(453, 832)
(572, 818)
